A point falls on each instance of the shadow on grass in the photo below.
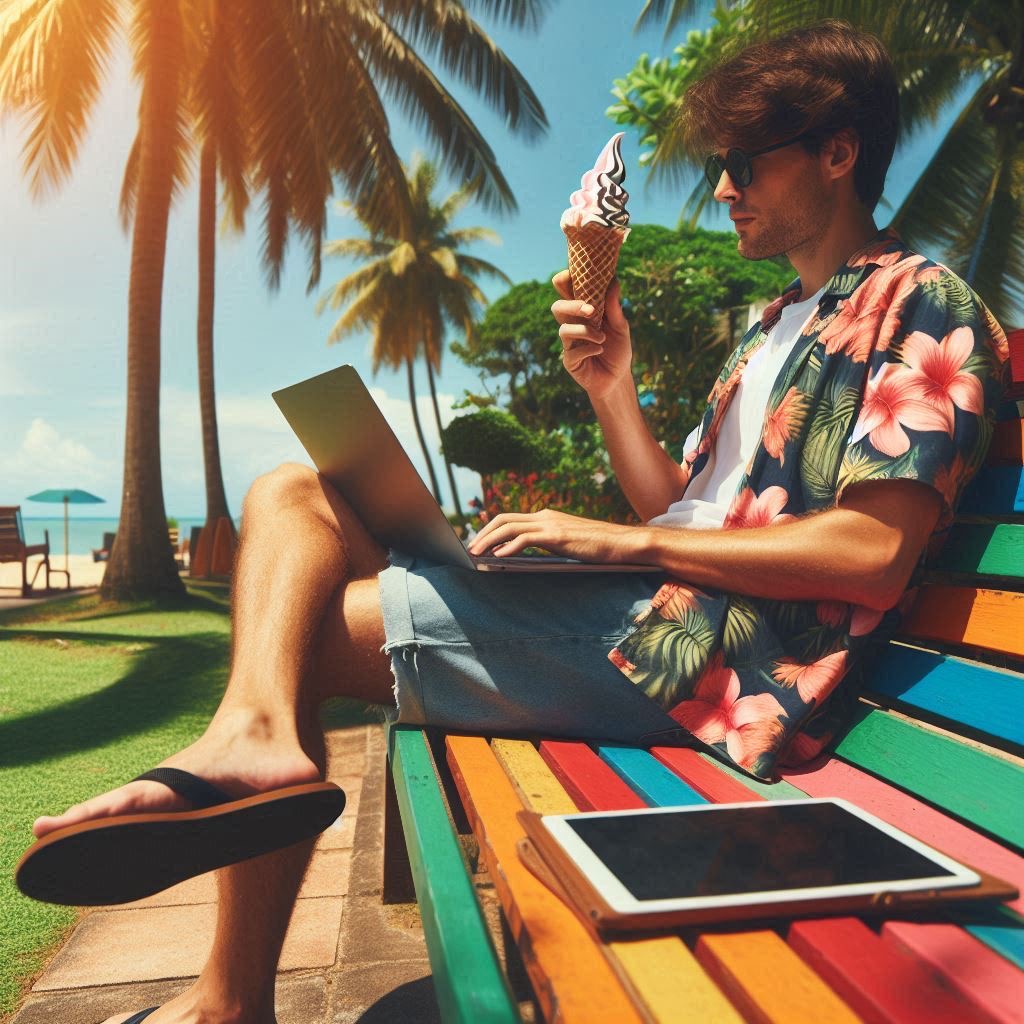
(178, 675)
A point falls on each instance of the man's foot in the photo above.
(198, 1006)
(240, 753)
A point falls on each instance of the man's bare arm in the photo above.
(863, 551)
(599, 360)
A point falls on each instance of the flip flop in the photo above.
(138, 1018)
(125, 858)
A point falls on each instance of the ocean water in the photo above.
(84, 532)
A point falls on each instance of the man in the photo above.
(836, 441)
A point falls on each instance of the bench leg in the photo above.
(398, 882)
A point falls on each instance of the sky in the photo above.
(64, 279)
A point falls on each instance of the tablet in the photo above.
(755, 856)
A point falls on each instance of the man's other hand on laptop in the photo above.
(570, 536)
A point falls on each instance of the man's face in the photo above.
(786, 207)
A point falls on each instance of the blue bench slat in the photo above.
(649, 777)
(1004, 933)
(996, 490)
(987, 699)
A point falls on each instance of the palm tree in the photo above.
(299, 79)
(968, 201)
(413, 288)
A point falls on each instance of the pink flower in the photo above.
(864, 620)
(938, 367)
(783, 422)
(749, 510)
(717, 712)
(832, 613)
(894, 399)
(814, 682)
(673, 601)
(619, 660)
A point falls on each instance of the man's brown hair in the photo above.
(820, 79)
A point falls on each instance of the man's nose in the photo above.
(725, 190)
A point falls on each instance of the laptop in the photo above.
(351, 444)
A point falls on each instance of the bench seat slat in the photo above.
(989, 700)
(469, 983)
(891, 804)
(968, 615)
(537, 787)
(965, 781)
(995, 491)
(591, 783)
(881, 983)
(984, 977)
(571, 976)
(988, 549)
(768, 981)
(653, 781)
(1004, 933)
(704, 777)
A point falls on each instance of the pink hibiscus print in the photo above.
(894, 399)
(783, 422)
(749, 509)
(716, 712)
(938, 366)
(814, 681)
(620, 661)
(864, 620)
(673, 601)
(832, 613)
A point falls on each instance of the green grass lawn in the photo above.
(92, 694)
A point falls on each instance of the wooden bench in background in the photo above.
(936, 750)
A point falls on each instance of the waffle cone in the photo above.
(593, 256)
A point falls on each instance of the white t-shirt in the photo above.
(707, 499)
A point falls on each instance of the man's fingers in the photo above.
(575, 334)
(563, 284)
(570, 311)
(613, 305)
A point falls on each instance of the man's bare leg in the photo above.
(306, 625)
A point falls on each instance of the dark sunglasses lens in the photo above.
(713, 167)
(738, 165)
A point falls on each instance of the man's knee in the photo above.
(286, 487)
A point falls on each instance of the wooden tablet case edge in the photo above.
(546, 858)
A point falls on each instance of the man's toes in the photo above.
(136, 797)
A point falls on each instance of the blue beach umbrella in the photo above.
(72, 496)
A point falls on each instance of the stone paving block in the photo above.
(201, 889)
(328, 874)
(116, 946)
(375, 933)
(383, 994)
(366, 877)
(79, 1007)
(341, 833)
(301, 999)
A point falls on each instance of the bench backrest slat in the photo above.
(983, 699)
(995, 491)
(973, 617)
(985, 549)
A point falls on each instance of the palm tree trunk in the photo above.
(141, 563)
(419, 433)
(444, 454)
(216, 499)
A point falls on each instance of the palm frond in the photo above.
(445, 259)
(53, 56)
(364, 312)
(360, 248)
(466, 236)
(422, 97)
(448, 31)
(356, 282)
(129, 184)
(655, 10)
(527, 15)
(470, 265)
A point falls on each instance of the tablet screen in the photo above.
(671, 855)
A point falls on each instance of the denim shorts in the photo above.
(517, 653)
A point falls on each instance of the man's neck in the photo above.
(815, 262)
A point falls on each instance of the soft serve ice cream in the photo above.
(596, 225)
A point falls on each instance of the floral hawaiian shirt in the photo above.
(896, 376)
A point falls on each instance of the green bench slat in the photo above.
(990, 550)
(649, 777)
(969, 783)
(989, 700)
(996, 490)
(469, 984)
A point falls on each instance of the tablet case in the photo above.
(546, 858)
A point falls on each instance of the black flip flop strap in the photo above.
(138, 1018)
(198, 791)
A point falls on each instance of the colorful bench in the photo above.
(937, 751)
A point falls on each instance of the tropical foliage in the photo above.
(287, 98)
(968, 201)
(414, 287)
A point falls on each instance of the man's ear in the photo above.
(841, 152)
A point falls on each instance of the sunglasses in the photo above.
(737, 164)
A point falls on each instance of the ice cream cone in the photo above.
(593, 256)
